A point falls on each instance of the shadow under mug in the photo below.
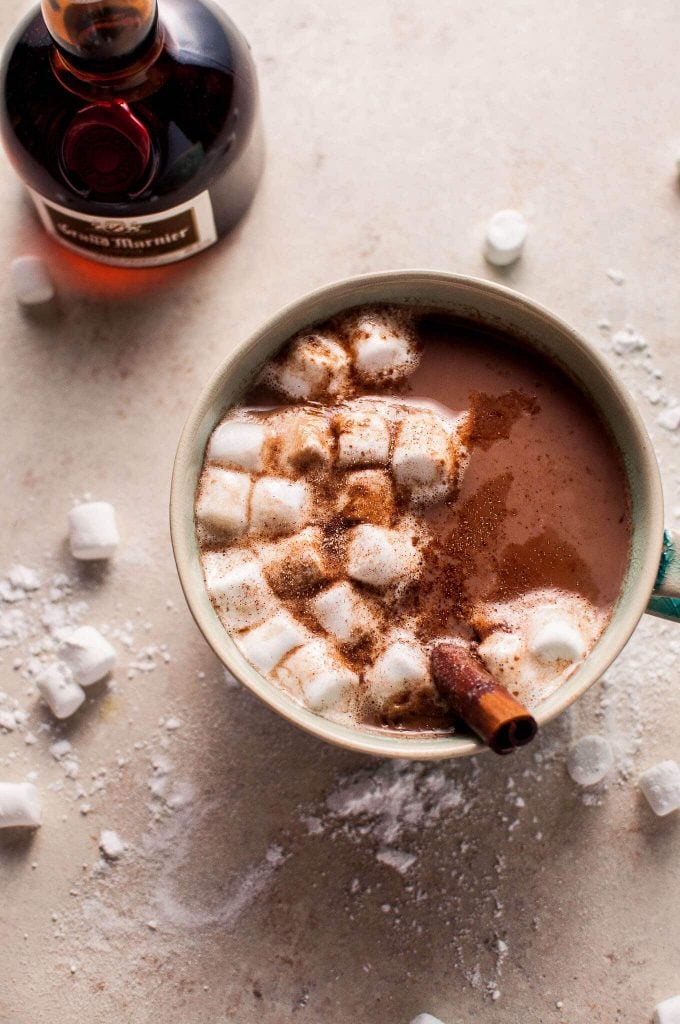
(652, 581)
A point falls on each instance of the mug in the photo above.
(652, 581)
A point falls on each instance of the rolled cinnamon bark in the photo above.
(476, 698)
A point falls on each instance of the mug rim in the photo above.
(395, 745)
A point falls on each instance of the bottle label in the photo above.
(150, 241)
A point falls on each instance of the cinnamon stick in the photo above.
(476, 698)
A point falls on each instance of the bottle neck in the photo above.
(101, 35)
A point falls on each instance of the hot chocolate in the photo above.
(397, 477)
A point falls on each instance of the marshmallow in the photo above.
(368, 497)
(325, 681)
(661, 787)
(363, 439)
(344, 613)
(278, 506)
(238, 444)
(88, 654)
(380, 557)
(223, 501)
(425, 1018)
(296, 563)
(423, 459)
(383, 351)
(111, 845)
(506, 234)
(241, 594)
(32, 282)
(403, 664)
(92, 531)
(305, 442)
(668, 1011)
(589, 760)
(501, 653)
(266, 645)
(556, 640)
(59, 689)
(19, 805)
(313, 367)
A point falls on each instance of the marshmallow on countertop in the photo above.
(223, 501)
(19, 805)
(111, 845)
(266, 645)
(32, 282)
(279, 506)
(88, 655)
(60, 691)
(590, 760)
(506, 234)
(367, 497)
(668, 1011)
(241, 594)
(306, 442)
(425, 1018)
(381, 558)
(238, 444)
(326, 683)
(344, 613)
(383, 350)
(363, 439)
(403, 664)
(93, 532)
(313, 368)
(295, 563)
(661, 787)
(426, 456)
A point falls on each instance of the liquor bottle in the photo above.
(134, 124)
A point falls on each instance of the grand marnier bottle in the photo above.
(134, 124)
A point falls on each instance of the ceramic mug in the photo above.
(652, 581)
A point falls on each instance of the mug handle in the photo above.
(665, 599)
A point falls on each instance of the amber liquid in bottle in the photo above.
(135, 125)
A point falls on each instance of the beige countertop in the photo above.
(251, 888)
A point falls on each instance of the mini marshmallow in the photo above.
(589, 760)
(88, 654)
(380, 557)
(60, 691)
(32, 282)
(344, 613)
(295, 563)
(367, 497)
(423, 460)
(426, 1018)
(363, 439)
(238, 444)
(266, 645)
(382, 351)
(661, 787)
(506, 234)
(93, 532)
(325, 681)
(111, 845)
(19, 805)
(223, 501)
(501, 653)
(306, 442)
(240, 592)
(668, 1011)
(313, 367)
(556, 640)
(403, 664)
(278, 506)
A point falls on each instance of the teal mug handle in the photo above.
(665, 599)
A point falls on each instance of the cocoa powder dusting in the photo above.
(494, 416)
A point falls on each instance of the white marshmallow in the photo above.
(661, 787)
(240, 592)
(111, 845)
(278, 506)
(88, 654)
(556, 640)
(382, 350)
(344, 613)
(363, 439)
(305, 441)
(590, 760)
(506, 234)
(325, 681)
(59, 689)
(380, 557)
(223, 501)
(426, 1018)
(424, 457)
(266, 645)
(19, 805)
(668, 1011)
(93, 532)
(501, 653)
(295, 562)
(32, 282)
(403, 664)
(367, 497)
(238, 444)
(314, 367)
